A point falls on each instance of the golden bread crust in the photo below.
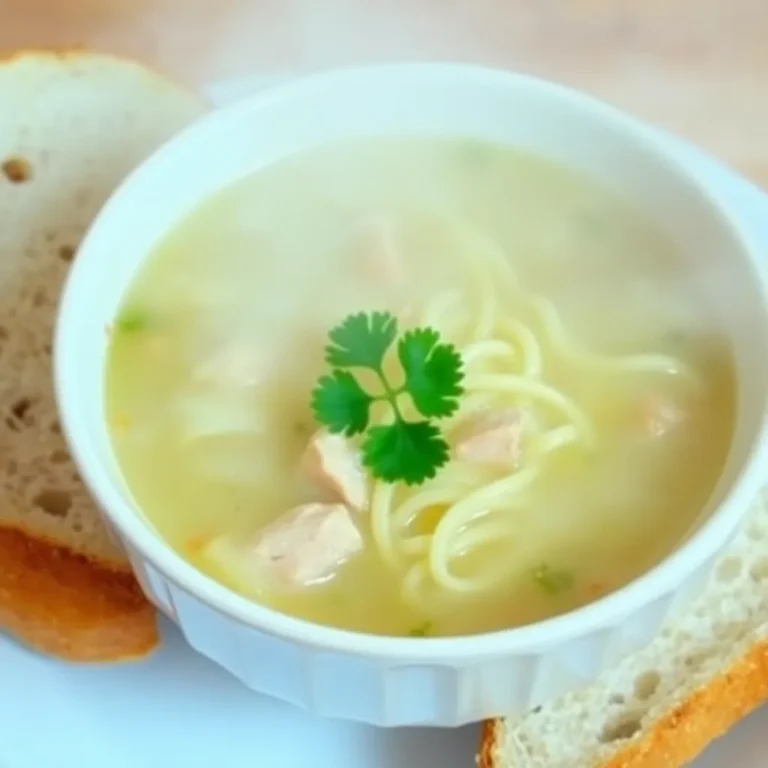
(66, 605)
(706, 714)
(490, 743)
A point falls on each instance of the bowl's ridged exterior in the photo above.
(392, 694)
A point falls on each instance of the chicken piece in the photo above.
(377, 250)
(237, 362)
(493, 437)
(303, 547)
(660, 415)
(334, 465)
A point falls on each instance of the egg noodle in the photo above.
(468, 508)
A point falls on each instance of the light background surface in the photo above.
(697, 67)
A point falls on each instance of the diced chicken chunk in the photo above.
(493, 437)
(334, 465)
(377, 250)
(308, 544)
(303, 547)
(660, 415)
(237, 362)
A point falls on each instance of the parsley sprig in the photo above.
(403, 450)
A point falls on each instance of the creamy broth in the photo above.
(220, 342)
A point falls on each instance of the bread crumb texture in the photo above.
(74, 125)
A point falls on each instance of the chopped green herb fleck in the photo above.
(422, 630)
(408, 451)
(592, 222)
(133, 321)
(301, 428)
(676, 338)
(475, 153)
(553, 581)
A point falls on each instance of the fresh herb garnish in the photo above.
(302, 429)
(133, 321)
(408, 451)
(476, 153)
(675, 338)
(422, 630)
(552, 580)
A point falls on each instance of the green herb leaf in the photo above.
(361, 340)
(432, 372)
(133, 321)
(475, 153)
(552, 580)
(422, 630)
(341, 404)
(408, 451)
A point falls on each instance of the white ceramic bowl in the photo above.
(407, 681)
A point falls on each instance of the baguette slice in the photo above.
(662, 706)
(72, 125)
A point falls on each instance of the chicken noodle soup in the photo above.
(591, 408)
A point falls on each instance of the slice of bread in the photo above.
(660, 707)
(72, 126)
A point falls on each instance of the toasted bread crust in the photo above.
(707, 714)
(10, 55)
(685, 732)
(68, 606)
(490, 743)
